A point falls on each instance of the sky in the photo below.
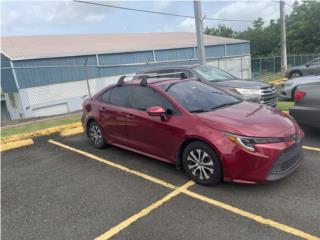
(69, 17)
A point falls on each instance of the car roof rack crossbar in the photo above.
(144, 77)
(121, 80)
(144, 80)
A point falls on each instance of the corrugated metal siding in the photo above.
(215, 51)
(238, 49)
(56, 73)
(7, 80)
(37, 76)
(174, 54)
(125, 58)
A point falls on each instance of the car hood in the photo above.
(250, 119)
(240, 83)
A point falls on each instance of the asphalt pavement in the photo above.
(69, 192)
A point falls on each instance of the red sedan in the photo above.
(213, 135)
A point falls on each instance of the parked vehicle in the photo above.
(246, 89)
(306, 109)
(210, 133)
(289, 87)
(310, 68)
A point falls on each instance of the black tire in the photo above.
(202, 164)
(295, 74)
(96, 135)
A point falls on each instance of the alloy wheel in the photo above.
(96, 135)
(200, 164)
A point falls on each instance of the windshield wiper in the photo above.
(224, 105)
(198, 111)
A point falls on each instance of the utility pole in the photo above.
(283, 36)
(199, 30)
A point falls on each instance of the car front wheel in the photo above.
(202, 164)
(95, 135)
(295, 74)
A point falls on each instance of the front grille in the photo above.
(288, 160)
(269, 96)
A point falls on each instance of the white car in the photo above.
(289, 87)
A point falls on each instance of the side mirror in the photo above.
(156, 111)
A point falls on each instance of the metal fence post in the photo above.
(86, 75)
(241, 68)
(260, 69)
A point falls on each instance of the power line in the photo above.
(161, 13)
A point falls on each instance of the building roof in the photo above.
(47, 46)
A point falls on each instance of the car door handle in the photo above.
(103, 109)
(129, 116)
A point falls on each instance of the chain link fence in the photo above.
(267, 66)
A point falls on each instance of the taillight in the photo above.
(298, 95)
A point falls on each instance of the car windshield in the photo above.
(211, 73)
(199, 97)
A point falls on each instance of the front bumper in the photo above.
(286, 163)
(286, 92)
(270, 162)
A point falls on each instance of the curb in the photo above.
(16, 144)
(25, 139)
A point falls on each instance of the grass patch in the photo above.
(29, 127)
(284, 106)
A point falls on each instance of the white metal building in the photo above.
(48, 75)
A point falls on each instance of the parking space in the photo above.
(52, 193)
(66, 189)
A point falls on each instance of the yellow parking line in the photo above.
(115, 165)
(252, 216)
(116, 229)
(16, 144)
(211, 201)
(311, 148)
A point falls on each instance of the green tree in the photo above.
(221, 30)
(303, 32)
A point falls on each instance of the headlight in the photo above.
(246, 91)
(248, 143)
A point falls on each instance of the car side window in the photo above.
(105, 97)
(145, 97)
(119, 96)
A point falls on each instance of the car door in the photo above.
(314, 66)
(150, 134)
(113, 113)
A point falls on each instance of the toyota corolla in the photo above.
(211, 134)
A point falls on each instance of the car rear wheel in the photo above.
(96, 136)
(202, 164)
(295, 74)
